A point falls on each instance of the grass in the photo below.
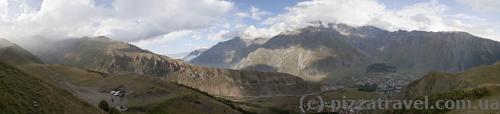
(23, 94)
(466, 94)
(475, 84)
(17, 55)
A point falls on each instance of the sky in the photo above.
(176, 27)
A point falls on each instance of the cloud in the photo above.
(165, 44)
(181, 42)
(153, 24)
(426, 16)
(482, 5)
(254, 13)
(126, 20)
(164, 38)
(3, 9)
(353, 12)
(218, 36)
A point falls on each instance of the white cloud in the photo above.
(421, 16)
(164, 38)
(482, 5)
(3, 10)
(218, 36)
(164, 44)
(353, 12)
(253, 32)
(127, 20)
(254, 13)
(426, 16)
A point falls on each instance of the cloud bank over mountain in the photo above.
(424, 16)
(126, 20)
(163, 26)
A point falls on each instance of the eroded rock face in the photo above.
(239, 83)
(109, 56)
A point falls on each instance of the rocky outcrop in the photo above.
(239, 82)
(105, 55)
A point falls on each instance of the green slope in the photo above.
(150, 94)
(24, 94)
(13, 54)
(482, 83)
(437, 82)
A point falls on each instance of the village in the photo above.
(384, 83)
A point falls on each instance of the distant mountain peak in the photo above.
(103, 38)
(194, 54)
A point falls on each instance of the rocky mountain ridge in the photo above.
(318, 52)
(114, 57)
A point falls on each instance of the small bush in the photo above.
(104, 105)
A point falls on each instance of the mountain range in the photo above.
(262, 75)
(322, 51)
(114, 57)
(178, 88)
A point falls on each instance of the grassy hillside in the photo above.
(465, 94)
(150, 94)
(482, 83)
(436, 82)
(23, 94)
(14, 54)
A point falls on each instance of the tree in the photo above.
(104, 105)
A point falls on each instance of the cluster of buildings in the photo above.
(388, 83)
